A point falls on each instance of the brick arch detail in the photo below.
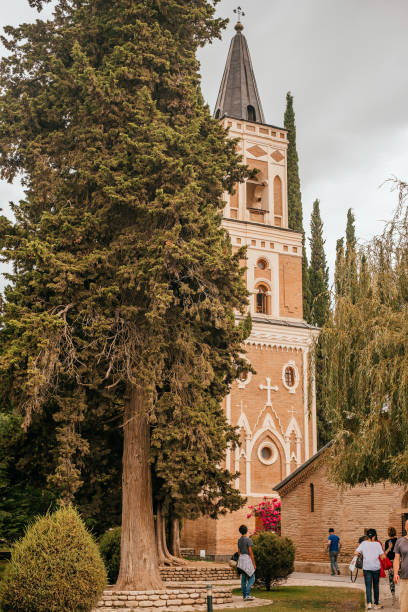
(267, 434)
(269, 426)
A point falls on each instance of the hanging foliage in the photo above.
(365, 361)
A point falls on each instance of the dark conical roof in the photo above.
(238, 96)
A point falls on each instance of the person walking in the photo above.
(389, 551)
(372, 551)
(333, 546)
(401, 568)
(246, 563)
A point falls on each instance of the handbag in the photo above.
(233, 562)
(359, 561)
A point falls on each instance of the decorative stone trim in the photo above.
(171, 599)
(301, 477)
(274, 453)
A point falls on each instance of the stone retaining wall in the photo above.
(167, 600)
(197, 573)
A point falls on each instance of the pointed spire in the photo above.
(238, 96)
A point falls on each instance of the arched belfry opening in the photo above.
(251, 113)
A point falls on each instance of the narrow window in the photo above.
(251, 113)
(312, 498)
(217, 114)
(261, 300)
(277, 196)
(290, 378)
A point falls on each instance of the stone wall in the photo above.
(350, 512)
(198, 573)
(168, 600)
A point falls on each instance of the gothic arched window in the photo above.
(277, 196)
(261, 299)
(251, 113)
(217, 114)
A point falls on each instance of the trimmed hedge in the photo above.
(109, 545)
(274, 557)
(55, 567)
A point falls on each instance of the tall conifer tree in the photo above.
(320, 307)
(124, 283)
(295, 210)
(350, 270)
(318, 271)
(339, 268)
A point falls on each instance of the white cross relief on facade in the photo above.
(268, 387)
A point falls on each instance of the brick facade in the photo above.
(274, 408)
(350, 511)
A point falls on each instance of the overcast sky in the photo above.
(345, 62)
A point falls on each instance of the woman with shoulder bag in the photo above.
(372, 552)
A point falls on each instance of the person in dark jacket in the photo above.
(389, 551)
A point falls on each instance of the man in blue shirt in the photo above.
(333, 546)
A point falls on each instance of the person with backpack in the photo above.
(372, 552)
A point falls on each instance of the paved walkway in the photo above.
(300, 579)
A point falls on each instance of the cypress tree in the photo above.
(320, 308)
(350, 269)
(295, 210)
(318, 271)
(124, 284)
(339, 268)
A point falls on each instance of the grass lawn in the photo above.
(290, 598)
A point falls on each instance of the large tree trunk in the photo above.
(139, 567)
(174, 543)
(165, 558)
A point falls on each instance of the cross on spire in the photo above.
(239, 12)
(268, 387)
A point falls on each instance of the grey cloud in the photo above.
(345, 63)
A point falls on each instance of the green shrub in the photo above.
(109, 545)
(55, 567)
(274, 557)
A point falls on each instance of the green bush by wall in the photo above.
(55, 567)
(274, 557)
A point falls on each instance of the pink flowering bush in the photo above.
(267, 516)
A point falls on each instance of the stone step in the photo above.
(177, 598)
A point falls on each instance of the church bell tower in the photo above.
(274, 409)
